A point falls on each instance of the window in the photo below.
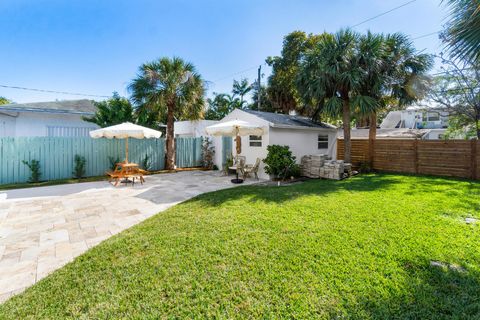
(255, 141)
(57, 131)
(433, 116)
(323, 141)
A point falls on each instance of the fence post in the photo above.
(415, 154)
(473, 158)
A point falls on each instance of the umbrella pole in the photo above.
(126, 151)
(237, 137)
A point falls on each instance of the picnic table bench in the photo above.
(124, 171)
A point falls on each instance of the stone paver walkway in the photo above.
(42, 229)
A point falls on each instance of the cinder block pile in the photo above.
(317, 166)
(311, 165)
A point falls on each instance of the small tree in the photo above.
(113, 111)
(280, 163)
(458, 91)
(208, 153)
(146, 162)
(34, 166)
(79, 166)
(113, 162)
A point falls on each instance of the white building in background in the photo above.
(192, 128)
(47, 119)
(196, 129)
(417, 117)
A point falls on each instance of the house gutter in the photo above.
(279, 126)
(9, 115)
(46, 111)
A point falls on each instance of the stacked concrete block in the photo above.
(311, 165)
(317, 166)
(333, 170)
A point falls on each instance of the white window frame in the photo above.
(321, 140)
(255, 141)
(434, 115)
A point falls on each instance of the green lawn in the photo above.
(355, 249)
(49, 183)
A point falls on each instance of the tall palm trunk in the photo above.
(346, 130)
(372, 134)
(170, 160)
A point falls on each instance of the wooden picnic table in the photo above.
(125, 171)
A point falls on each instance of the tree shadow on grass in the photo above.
(430, 292)
(363, 183)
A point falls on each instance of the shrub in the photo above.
(280, 163)
(79, 166)
(146, 162)
(113, 162)
(34, 167)
(365, 167)
(208, 153)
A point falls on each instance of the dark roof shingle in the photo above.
(289, 120)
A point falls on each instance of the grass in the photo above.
(49, 183)
(355, 249)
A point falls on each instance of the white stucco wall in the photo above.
(30, 124)
(303, 141)
(251, 153)
(192, 128)
(7, 125)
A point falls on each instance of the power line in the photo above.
(53, 91)
(384, 13)
(426, 35)
(236, 73)
(356, 25)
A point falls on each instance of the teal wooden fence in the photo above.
(188, 152)
(56, 155)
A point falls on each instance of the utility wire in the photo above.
(426, 35)
(239, 72)
(53, 91)
(356, 25)
(384, 13)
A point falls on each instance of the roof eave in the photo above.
(282, 126)
(47, 111)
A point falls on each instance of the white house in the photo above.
(417, 117)
(301, 134)
(51, 119)
(192, 128)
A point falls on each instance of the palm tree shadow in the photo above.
(275, 194)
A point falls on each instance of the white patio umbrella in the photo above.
(235, 128)
(124, 131)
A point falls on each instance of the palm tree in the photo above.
(241, 88)
(331, 77)
(170, 86)
(394, 73)
(462, 34)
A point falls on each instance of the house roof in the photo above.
(82, 107)
(286, 120)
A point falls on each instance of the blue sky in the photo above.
(95, 47)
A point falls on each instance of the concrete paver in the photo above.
(42, 229)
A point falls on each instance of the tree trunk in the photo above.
(346, 130)
(477, 126)
(170, 159)
(372, 135)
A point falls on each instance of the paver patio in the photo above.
(42, 229)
